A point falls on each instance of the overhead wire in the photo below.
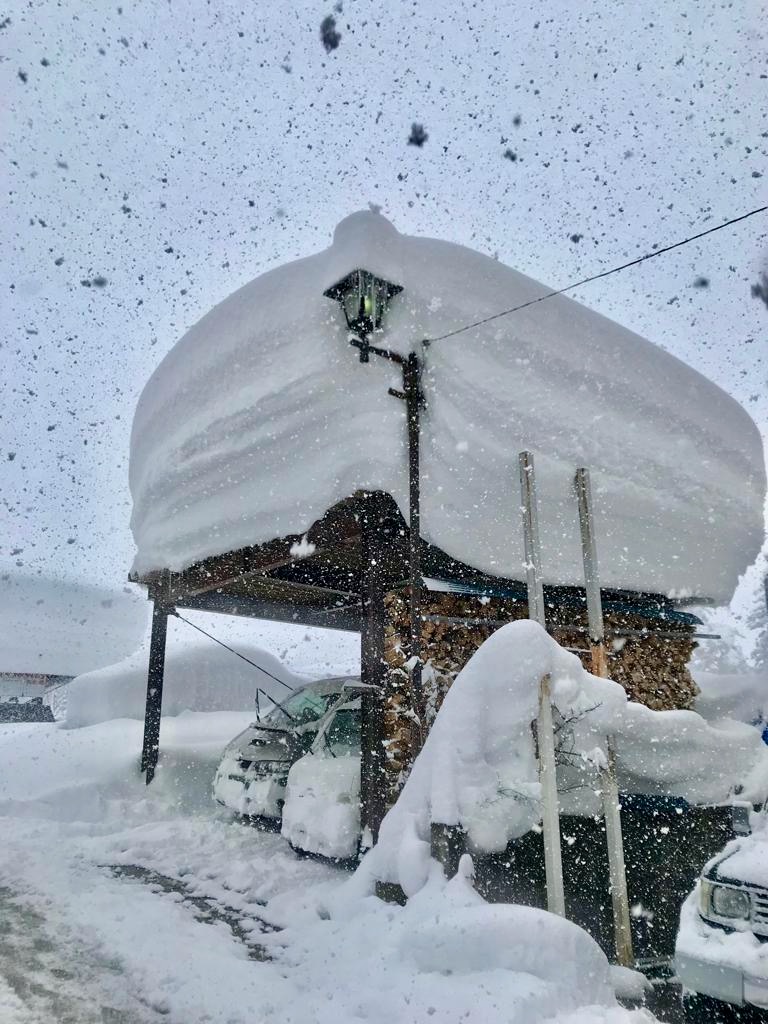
(233, 651)
(596, 277)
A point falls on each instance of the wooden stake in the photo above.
(550, 812)
(609, 784)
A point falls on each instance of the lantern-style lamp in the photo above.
(364, 299)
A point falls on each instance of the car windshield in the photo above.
(299, 709)
(343, 735)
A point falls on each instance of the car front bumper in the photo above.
(719, 981)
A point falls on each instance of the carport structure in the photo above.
(335, 576)
(338, 576)
(275, 476)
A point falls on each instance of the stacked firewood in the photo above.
(649, 658)
(651, 668)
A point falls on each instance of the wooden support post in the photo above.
(154, 704)
(550, 812)
(447, 843)
(373, 771)
(413, 401)
(609, 784)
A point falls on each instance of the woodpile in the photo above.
(648, 657)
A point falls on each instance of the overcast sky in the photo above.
(159, 155)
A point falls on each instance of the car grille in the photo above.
(760, 910)
(263, 767)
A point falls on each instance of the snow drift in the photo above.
(73, 804)
(478, 767)
(261, 418)
(197, 678)
(451, 957)
(92, 774)
(739, 695)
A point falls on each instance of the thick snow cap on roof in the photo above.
(262, 417)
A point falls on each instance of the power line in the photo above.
(596, 277)
(232, 651)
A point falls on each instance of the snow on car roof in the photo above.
(335, 684)
(261, 418)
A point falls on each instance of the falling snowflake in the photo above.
(418, 136)
(328, 33)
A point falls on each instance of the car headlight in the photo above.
(705, 896)
(724, 901)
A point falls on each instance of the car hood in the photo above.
(744, 860)
(260, 744)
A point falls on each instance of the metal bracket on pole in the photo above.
(609, 784)
(553, 861)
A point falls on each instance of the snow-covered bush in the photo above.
(478, 767)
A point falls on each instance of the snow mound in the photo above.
(488, 937)
(261, 418)
(448, 956)
(742, 695)
(478, 768)
(321, 812)
(197, 678)
(92, 774)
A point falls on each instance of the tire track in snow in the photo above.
(204, 908)
(46, 978)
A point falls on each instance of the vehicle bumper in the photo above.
(728, 984)
(248, 795)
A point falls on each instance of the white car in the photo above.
(321, 814)
(252, 775)
(722, 946)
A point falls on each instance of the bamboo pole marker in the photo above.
(550, 815)
(608, 781)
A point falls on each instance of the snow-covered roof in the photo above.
(261, 418)
(64, 627)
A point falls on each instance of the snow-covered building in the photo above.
(270, 466)
(53, 629)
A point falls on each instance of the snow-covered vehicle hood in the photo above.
(743, 861)
(262, 418)
(259, 743)
(321, 813)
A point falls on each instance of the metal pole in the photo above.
(609, 784)
(413, 399)
(553, 861)
(154, 703)
(532, 544)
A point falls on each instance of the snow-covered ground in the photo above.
(130, 905)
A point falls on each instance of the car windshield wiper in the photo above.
(287, 714)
